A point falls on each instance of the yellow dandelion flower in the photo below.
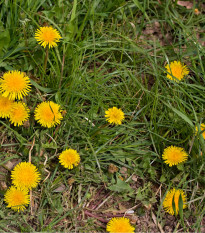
(5, 106)
(167, 203)
(114, 116)
(47, 36)
(25, 175)
(69, 158)
(119, 225)
(19, 113)
(14, 85)
(202, 127)
(48, 114)
(17, 198)
(176, 69)
(173, 155)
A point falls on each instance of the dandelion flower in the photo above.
(202, 127)
(25, 175)
(120, 225)
(48, 114)
(14, 85)
(19, 113)
(114, 116)
(173, 155)
(17, 198)
(5, 106)
(176, 69)
(167, 203)
(69, 158)
(47, 36)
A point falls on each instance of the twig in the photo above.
(106, 199)
(50, 139)
(46, 169)
(156, 222)
(29, 155)
(95, 216)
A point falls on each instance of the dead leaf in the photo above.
(3, 185)
(12, 163)
(26, 124)
(71, 181)
(61, 188)
(134, 178)
(134, 219)
(112, 168)
(187, 4)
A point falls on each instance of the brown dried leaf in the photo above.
(71, 181)
(134, 178)
(26, 124)
(12, 163)
(61, 188)
(112, 168)
(187, 4)
(3, 185)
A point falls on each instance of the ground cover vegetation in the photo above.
(101, 116)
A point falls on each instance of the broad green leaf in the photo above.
(44, 89)
(120, 186)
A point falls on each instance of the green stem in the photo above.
(46, 60)
(45, 64)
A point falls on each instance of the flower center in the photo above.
(15, 84)
(70, 158)
(18, 114)
(175, 156)
(48, 36)
(18, 199)
(26, 177)
(49, 115)
(177, 72)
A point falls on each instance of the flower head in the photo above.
(202, 127)
(47, 36)
(120, 225)
(167, 203)
(17, 198)
(48, 114)
(114, 116)
(173, 155)
(176, 69)
(25, 175)
(69, 158)
(19, 113)
(5, 106)
(14, 85)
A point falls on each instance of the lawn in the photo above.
(142, 60)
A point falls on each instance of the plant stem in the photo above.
(46, 60)
(45, 64)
